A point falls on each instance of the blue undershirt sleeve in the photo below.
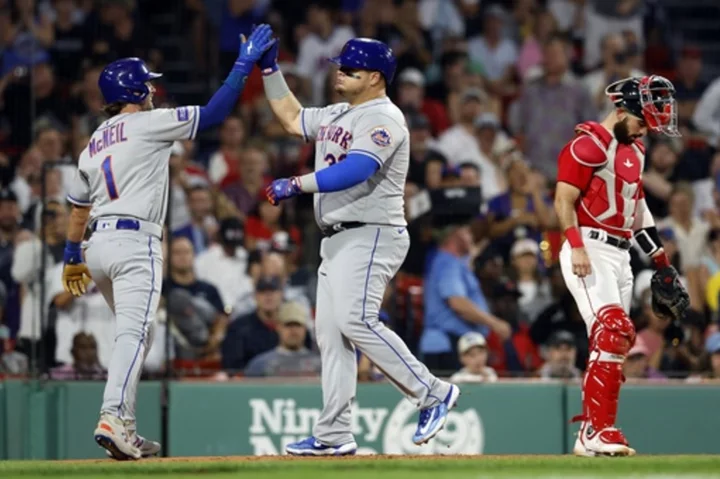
(223, 101)
(353, 170)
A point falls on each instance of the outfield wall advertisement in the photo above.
(55, 420)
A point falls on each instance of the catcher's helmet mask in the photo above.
(650, 98)
(369, 55)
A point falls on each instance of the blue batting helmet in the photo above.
(125, 81)
(367, 54)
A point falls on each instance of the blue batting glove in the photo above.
(251, 50)
(282, 189)
(268, 60)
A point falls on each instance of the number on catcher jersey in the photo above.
(376, 129)
(124, 169)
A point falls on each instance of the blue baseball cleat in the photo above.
(433, 419)
(312, 447)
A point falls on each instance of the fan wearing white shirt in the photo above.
(224, 264)
(324, 41)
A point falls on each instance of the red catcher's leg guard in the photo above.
(612, 336)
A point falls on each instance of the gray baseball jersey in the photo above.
(124, 169)
(123, 172)
(358, 263)
(376, 128)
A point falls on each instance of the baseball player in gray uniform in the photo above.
(361, 162)
(121, 189)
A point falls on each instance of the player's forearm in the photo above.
(77, 223)
(647, 237)
(283, 102)
(567, 217)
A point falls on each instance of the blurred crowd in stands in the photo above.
(491, 89)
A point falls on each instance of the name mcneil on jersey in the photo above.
(336, 134)
(111, 135)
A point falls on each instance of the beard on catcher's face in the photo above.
(621, 130)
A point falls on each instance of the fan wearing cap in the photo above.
(600, 206)
(637, 365)
(411, 96)
(560, 354)
(473, 355)
(290, 358)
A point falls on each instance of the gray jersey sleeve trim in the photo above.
(78, 202)
(195, 123)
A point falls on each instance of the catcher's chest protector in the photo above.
(615, 187)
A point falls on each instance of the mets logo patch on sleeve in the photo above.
(381, 137)
(183, 113)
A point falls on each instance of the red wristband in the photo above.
(661, 261)
(574, 237)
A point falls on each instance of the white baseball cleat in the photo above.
(606, 442)
(147, 447)
(112, 436)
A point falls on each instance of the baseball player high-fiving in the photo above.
(121, 188)
(362, 159)
(600, 204)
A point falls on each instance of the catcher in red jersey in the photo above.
(601, 206)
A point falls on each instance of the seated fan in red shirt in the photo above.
(264, 221)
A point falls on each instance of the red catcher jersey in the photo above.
(609, 176)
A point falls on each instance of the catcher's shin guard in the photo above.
(612, 336)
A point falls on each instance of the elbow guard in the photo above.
(649, 240)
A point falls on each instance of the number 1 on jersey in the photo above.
(109, 178)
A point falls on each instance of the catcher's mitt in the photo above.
(669, 298)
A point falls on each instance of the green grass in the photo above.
(395, 467)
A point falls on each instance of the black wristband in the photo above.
(649, 240)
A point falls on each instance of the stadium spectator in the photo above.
(411, 97)
(516, 355)
(616, 56)
(201, 228)
(224, 164)
(609, 16)
(255, 333)
(85, 365)
(9, 238)
(529, 277)
(225, 264)
(690, 230)
(561, 355)
(689, 84)
(454, 303)
(26, 271)
(323, 40)
(550, 106)
(473, 352)
(524, 211)
(637, 363)
(194, 306)
(561, 315)
(245, 190)
(494, 53)
(530, 55)
(290, 358)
